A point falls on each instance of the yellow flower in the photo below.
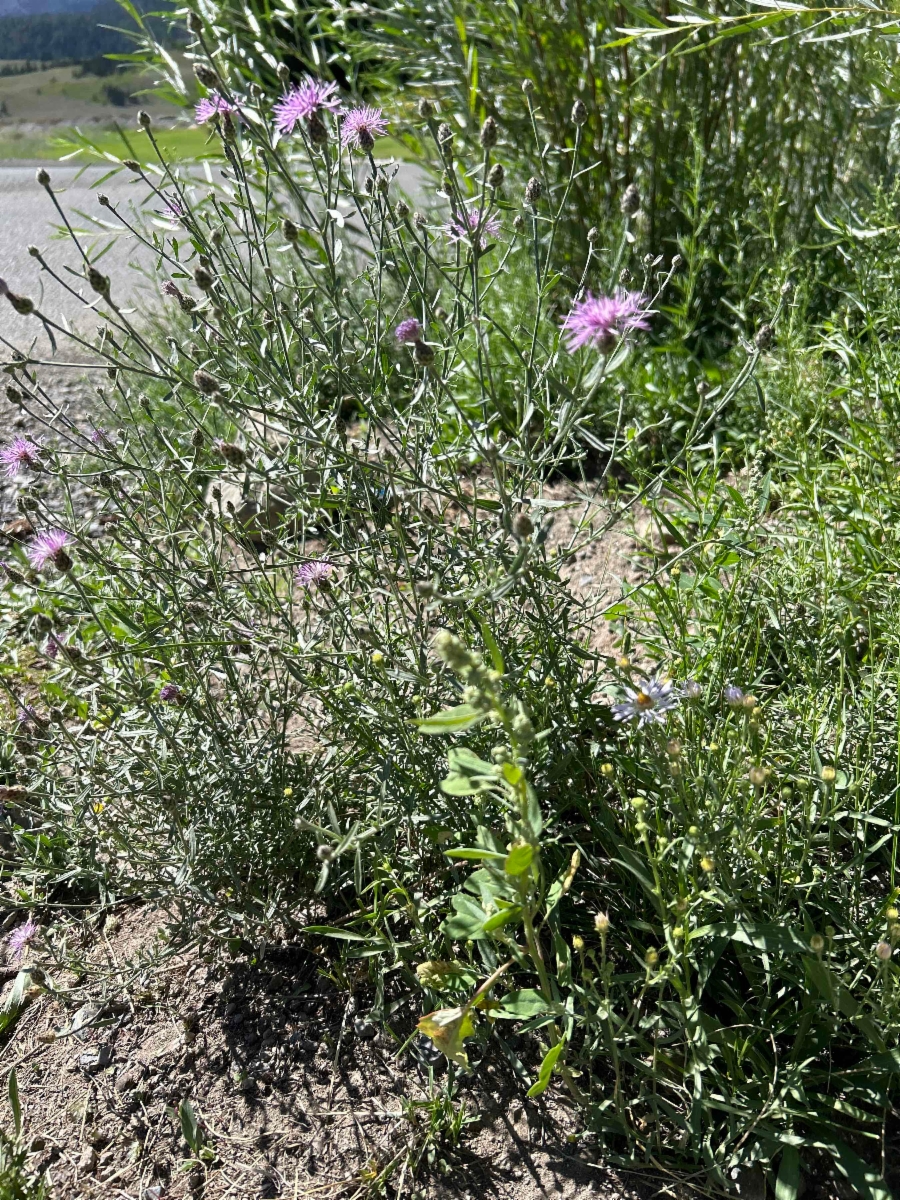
(707, 864)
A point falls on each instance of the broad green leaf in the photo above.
(475, 852)
(865, 1179)
(546, 1071)
(505, 917)
(451, 720)
(14, 1103)
(448, 1028)
(787, 1184)
(519, 859)
(466, 923)
(525, 1003)
(771, 939)
(189, 1127)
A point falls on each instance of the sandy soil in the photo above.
(295, 1091)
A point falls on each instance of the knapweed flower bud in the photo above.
(734, 696)
(423, 354)
(402, 210)
(231, 452)
(534, 189)
(132, 165)
(757, 776)
(43, 177)
(317, 130)
(34, 252)
(892, 913)
(143, 119)
(283, 72)
(98, 281)
(522, 526)
(205, 75)
(419, 220)
(593, 235)
(883, 950)
(324, 853)
(103, 200)
(206, 384)
(426, 109)
(527, 86)
(631, 200)
(194, 24)
(602, 923)
(579, 112)
(290, 230)
(518, 222)
(651, 958)
(12, 574)
(197, 439)
(764, 338)
(673, 748)
(444, 134)
(787, 288)
(828, 774)
(677, 260)
(817, 943)
(488, 135)
(204, 279)
(22, 304)
(496, 175)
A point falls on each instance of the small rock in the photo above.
(83, 1019)
(87, 1164)
(95, 1060)
(129, 1079)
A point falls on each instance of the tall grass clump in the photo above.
(308, 664)
(747, 127)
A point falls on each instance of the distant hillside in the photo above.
(45, 33)
(28, 8)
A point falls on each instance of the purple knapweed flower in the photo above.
(27, 715)
(301, 102)
(170, 693)
(20, 939)
(651, 702)
(50, 546)
(53, 647)
(600, 321)
(212, 106)
(20, 454)
(409, 330)
(464, 229)
(100, 437)
(314, 573)
(361, 126)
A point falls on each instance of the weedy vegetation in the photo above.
(311, 664)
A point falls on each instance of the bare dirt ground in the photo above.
(296, 1093)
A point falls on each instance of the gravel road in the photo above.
(28, 217)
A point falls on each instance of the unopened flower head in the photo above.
(361, 126)
(50, 547)
(472, 224)
(20, 939)
(212, 106)
(692, 690)
(600, 321)
(300, 103)
(409, 330)
(315, 573)
(21, 454)
(883, 950)
(650, 703)
(734, 696)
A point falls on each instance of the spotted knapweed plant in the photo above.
(313, 534)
